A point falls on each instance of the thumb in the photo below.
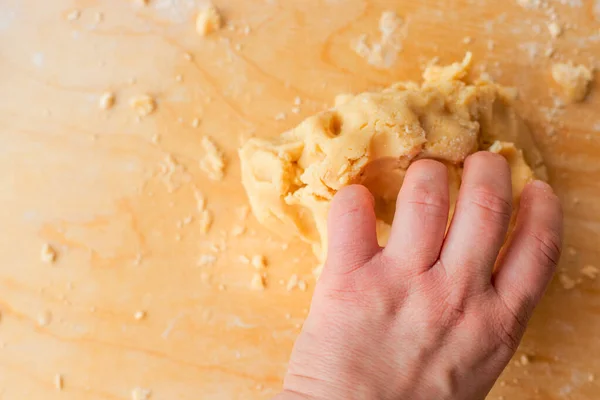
(352, 233)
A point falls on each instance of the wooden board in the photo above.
(114, 194)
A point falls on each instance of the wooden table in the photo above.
(127, 304)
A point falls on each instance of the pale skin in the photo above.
(433, 315)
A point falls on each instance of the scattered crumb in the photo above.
(302, 285)
(205, 221)
(247, 30)
(237, 230)
(140, 394)
(257, 282)
(139, 315)
(549, 52)
(195, 122)
(555, 29)
(106, 101)
(531, 4)
(572, 252)
(187, 57)
(297, 101)
(467, 40)
(591, 378)
(58, 382)
(295, 110)
(178, 78)
(281, 116)
(73, 15)
(590, 271)
(259, 262)
(259, 387)
(491, 45)
(143, 105)
(384, 52)
(45, 318)
(574, 80)
(292, 283)
(208, 21)
(206, 259)
(566, 281)
(48, 254)
(222, 287)
(525, 360)
(213, 162)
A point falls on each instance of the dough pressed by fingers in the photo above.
(372, 138)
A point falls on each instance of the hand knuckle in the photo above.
(490, 203)
(546, 247)
(428, 200)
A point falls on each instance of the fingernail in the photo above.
(541, 185)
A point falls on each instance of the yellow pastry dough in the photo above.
(372, 138)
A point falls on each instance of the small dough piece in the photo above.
(574, 80)
(372, 138)
(208, 20)
(384, 52)
(213, 162)
(143, 105)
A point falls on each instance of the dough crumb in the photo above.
(292, 283)
(140, 394)
(139, 315)
(213, 162)
(208, 21)
(259, 262)
(384, 52)
(73, 15)
(525, 360)
(237, 230)
(143, 105)
(45, 318)
(58, 382)
(205, 221)
(187, 57)
(591, 378)
(555, 29)
(302, 285)
(106, 101)
(206, 260)
(574, 80)
(566, 281)
(590, 271)
(530, 4)
(48, 254)
(258, 282)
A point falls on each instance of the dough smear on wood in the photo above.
(372, 138)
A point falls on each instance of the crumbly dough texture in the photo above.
(372, 138)
(574, 80)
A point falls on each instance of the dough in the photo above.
(372, 138)
(574, 80)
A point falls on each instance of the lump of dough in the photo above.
(371, 139)
(573, 80)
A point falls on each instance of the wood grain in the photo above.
(92, 183)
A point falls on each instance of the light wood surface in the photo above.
(95, 185)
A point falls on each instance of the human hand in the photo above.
(430, 316)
